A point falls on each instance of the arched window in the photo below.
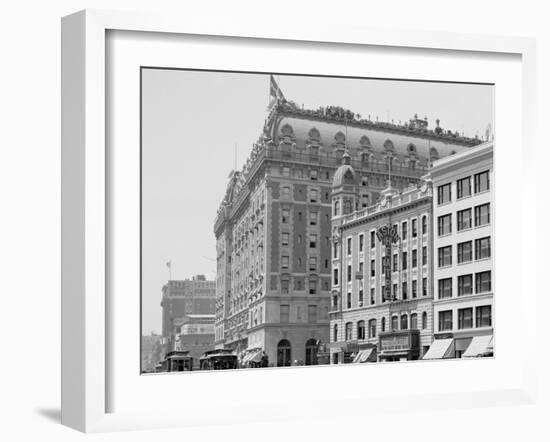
(348, 331)
(434, 154)
(364, 141)
(336, 208)
(424, 320)
(335, 332)
(284, 353)
(311, 351)
(383, 323)
(361, 330)
(348, 206)
(414, 321)
(388, 146)
(404, 322)
(394, 322)
(287, 130)
(340, 138)
(314, 134)
(372, 328)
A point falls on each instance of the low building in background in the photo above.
(181, 298)
(195, 335)
(151, 352)
(463, 238)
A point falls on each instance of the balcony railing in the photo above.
(327, 159)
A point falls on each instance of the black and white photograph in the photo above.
(295, 220)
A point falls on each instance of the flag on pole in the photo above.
(275, 92)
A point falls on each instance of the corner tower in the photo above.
(345, 196)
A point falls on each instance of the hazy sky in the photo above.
(192, 122)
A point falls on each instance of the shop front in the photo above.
(403, 345)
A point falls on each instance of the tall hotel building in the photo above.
(274, 226)
(463, 241)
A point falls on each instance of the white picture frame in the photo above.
(85, 203)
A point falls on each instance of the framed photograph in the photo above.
(318, 216)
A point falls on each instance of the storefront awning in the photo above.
(479, 346)
(439, 349)
(364, 356)
(255, 357)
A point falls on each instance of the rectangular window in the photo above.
(414, 228)
(404, 290)
(312, 286)
(284, 262)
(464, 219)
(424, 255)
(483, 316)
(361, 242)
(465, 318)
(372, 268)
(313, 196)
(348, 303)
(395, 262)
(312, 240)
(312, 264)
(464, 252)
(445, 288)
(372, 240)
(445, 256)
(414, 258)
(284, 313)
(424, 286)
(444, 224)
(444, 194)
(404, 230)
(482, 215)
(481, 182)
(285, 237)
(349, 246)
(285, 171)
(286, 192)
(285, 216)
(394, 291)
(404, 261)
(414, 288)
(372, 293)
(335, 276)
(446, 320)
(284, 286)
(361, 296)
(483, 248)
(483, 282)
(463, 188)
(424, 225)
(312, 313)
(465, 286)
(313, 175)
(349, 274)
(335, 250)
(312, 218)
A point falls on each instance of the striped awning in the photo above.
(440, 348)
(364, 355)
(480, 346)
